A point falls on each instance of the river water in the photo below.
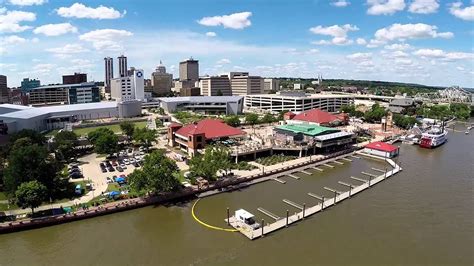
(421, 216)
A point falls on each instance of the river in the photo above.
(423, 215)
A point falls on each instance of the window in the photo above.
(199, 139)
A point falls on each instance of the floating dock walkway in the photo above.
(283, 222)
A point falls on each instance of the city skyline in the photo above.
(426, 42)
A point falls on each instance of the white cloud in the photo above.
(78, 10)
(447, 56)
(409, 31)
(339, 34)
(106, 39)
(55, 29)
(385, 7)
(11, 40)
(223, 61)
(360, 56)
(211, 34)
(10, 20)
(395, 54)
(27, 2)
(361, 41)
(66, 50)
(398, 46)
(466, 13)
(340, 3)
(236, 21)
(424, 6)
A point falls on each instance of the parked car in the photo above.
(74, 170)
(109, 180)
(120, 169)
(123, 166)
(114, 163)
(110, 169)
(76, 175)
(136, 164)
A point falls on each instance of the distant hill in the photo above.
(361, 83)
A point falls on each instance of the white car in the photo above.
(123, 166)
(132, 160)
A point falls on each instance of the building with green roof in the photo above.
(324, 138)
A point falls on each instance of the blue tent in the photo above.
(114, 193)
(120, 180)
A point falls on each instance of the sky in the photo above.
(417, 41)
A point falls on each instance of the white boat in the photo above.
(247, 218)
(434, 137)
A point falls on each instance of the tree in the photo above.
(268, 118)
(158, 122)
(31, 194)
(215, 158)
(281, 115)
(405, 122)
(104, 140)
(27, 162)
(127, 128)
(34, 136)
(251, 118)
(144, 136)
(232, 121)
(376, 114)
(157, 175)
(64, 144)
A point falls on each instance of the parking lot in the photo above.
(100, 171)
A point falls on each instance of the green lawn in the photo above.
(113, 187)
(3, 196)
(115, 128)
(84, 131)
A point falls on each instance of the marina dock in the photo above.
(305, 212)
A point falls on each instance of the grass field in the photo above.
(84, 131)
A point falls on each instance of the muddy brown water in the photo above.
(421, 216)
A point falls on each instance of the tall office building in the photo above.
(215, 86)
(4, 92)
(109, 72)
(189, 70)
(243, 84)
(75, 79)
(122, 61)
(270, 85)
(128, 88)
(161, 81)
(29, 84)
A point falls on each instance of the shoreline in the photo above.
(130, 204)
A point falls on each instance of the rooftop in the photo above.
(381, 146)
(78, 85)
(201, 99)
(316, 116)
(211, 128)
(37, 111)
(300, 97)
(307, 129)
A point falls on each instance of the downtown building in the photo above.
(297, 102)
(87, 92)
(76, 78)
(4, 91)
(271, 85)
(241, 83)
(29, 84)
(109, 72)
(161, 82)
(128, 88)
(215, 86)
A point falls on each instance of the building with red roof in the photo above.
(195, 136)
(318, 117)
(381, 149)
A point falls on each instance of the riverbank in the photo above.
(129, 204)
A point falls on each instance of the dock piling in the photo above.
(228, 216)
(287, 215)
(304, 208)
(263, 225)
